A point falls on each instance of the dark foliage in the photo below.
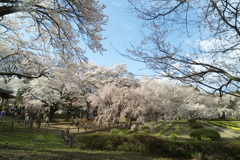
(205, 133)
(158, 147)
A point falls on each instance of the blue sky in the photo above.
(122, 30)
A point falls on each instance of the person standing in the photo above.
(71, 121)
(85, 124)
(2, 114)
(39, 121)
(47, 121)
(77, 122)
(26, 119)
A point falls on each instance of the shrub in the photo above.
(143, 132)
(155, 146)
(98, 142)
(135, 143)
(157, 134)
(196, 125)
(191, 121)
(204, 134)
(177, 129)
(144, 127)
(158, 126)
(122, 131)
(108, 142)
(172, 137)
(114, 131)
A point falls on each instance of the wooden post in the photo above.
(13, 124)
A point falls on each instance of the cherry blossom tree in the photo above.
(32, 29)
(45, 91)
(113, 102)
(153, 99)
(58, 23)
(71, 84)
(87, 78)
(192, 111)
(173, 94)
(136, 103)
(21, 63)
(201, 46)
(228, 106)
(160, 99)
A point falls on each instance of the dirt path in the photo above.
(57, 127)
(183, 135)
(62, 125)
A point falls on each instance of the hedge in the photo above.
(205, 133)
(196, 125)
(146, 144)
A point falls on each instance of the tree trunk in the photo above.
(68, 114)
(53, 109)
(128, 122)
(223, 115)
(88, 108)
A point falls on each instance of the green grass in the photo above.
(228, 124)
(28, 145)
(43, 145)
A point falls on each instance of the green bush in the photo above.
(114, 131)
(134, 143)
(158, 126)
(143, 132)
(108, 142)
(204, 134)
(191, 121)
(172, 137)
(98, 142)
(196, 125)
(122, 131)
(158, 147)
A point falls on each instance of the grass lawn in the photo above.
(29, 145)
(47, 144)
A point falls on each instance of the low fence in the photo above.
(11, 123)
(68, 140)
(93, 126)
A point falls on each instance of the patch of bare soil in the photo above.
(59, 126)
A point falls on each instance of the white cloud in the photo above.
(117, 4)
(126, 26)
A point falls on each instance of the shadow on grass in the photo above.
(23, 153)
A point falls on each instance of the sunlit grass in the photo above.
(228, 124)
(31, 139)
(43, 145)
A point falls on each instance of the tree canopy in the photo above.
(32, 29)
(69, 86)
(196, 42)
